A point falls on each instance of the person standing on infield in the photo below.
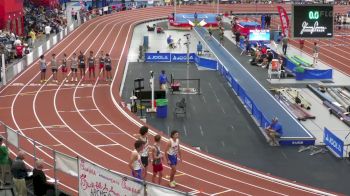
(82, 65)
(173, 153)
(143, 136)
(135, 163)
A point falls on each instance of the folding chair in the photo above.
(274, 69)
(180, 107)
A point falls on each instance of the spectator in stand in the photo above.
(47, 31)
(199, 48)
(4, 161)
(40, 185)
(19, 173)
(17, 42)
(32, 36)
(274, 131)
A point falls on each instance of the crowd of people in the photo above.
(37, 22)
(77, 62)
(20, 173)
(145, 153)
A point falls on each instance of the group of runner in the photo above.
(144, 153)
(77, 62)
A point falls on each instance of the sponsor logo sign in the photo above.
(333, 142)
(312, 21)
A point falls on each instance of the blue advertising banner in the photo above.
(264, 122)
(318, 74)
(206, 63)
(157, 57)
(333, 142)
(181, 58)
(257, 114)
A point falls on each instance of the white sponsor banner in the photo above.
(54, 40)
(47, 44)
(71, 27)
(66, 164)
(40, 50)
(12, 137)
(29, 58)
(153, 190)
(61, 34)
(150, 2)
(105, 9)
(94, 180)
(18, 68)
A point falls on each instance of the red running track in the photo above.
(80, 120)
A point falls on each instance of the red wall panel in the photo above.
(11, 10)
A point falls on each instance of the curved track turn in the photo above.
(79, 120)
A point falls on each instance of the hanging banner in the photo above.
(284, 20)
(94, 180)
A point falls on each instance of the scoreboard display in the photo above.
(312, 21)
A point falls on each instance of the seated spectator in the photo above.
(17, 42)
(269, 58)
(263, 50)
(199, 48)
(4, 161)
(40, 185)
(47, 31)
(19, 173)
(274, 131)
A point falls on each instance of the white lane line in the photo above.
(48, 127)
(87, 110)
(75, 105)
(83, 97)
(12, 112)
(61, 111)
(194, 192)
(40, 146)
(106, 145)
(97, 125)
(229, 190)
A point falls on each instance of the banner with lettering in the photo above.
(94, 180)
(333, 142)
(284, 20)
